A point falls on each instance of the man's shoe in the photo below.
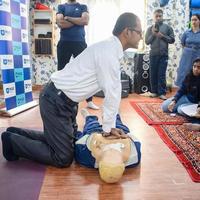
(163, 97)
(153, 95)
(7, 147)
(92, 106)
(149, 94)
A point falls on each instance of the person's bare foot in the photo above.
(192, 127)
(84, 112)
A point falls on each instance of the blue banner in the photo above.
(195, 4)
(14, 53)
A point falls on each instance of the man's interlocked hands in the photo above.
(115, 133)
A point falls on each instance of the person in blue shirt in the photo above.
(108, 154)
(191, 49)
(71, 19)
(189, 92)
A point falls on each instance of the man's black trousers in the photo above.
(54, 146)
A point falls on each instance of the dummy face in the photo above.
(158, 17)
(196, 68)
(134, 35)
(111, 166)
(110, 155)
(195, 22)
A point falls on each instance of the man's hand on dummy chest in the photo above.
(115, 133)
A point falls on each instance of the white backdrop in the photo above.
(103, 15)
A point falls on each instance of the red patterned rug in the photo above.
(152, 113)
(185, 144)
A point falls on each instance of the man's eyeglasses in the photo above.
(137, 31)
(158, 16)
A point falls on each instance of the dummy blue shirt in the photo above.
(84, 157)
(76, 32)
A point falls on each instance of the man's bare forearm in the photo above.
(64, 24)
(81, 21)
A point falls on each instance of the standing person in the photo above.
(96, 68)
(191, 49)
(108, 154)
(158, 36)
(71, 19)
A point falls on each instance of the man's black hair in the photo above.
(196, 60)
(158, 11)
(125, 20)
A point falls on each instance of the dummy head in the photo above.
(111, 166)
(110, 155)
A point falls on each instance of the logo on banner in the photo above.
(19, 74)
(24, 36)
(9, 90)
(5, 5)
(26, 61)
(5, 33)
(27, 86)
(16, 21)
(20, 99)
(6, 62)
(23, 10)
(17, 48)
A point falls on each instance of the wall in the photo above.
(176, 14)
(43, 66)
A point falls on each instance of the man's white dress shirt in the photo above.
(96, 68)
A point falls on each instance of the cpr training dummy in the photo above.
(109, 155)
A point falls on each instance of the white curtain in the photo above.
(103, 15)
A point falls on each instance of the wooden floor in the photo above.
(160, 175)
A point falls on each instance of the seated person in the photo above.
(108, 154)
(189, 92)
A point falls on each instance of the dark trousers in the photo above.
(158, 67)
(67, 49)
(54, 146)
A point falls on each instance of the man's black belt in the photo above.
(60, 93)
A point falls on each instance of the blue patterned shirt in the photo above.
(191, 39)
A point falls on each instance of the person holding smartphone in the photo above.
(158, 36)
